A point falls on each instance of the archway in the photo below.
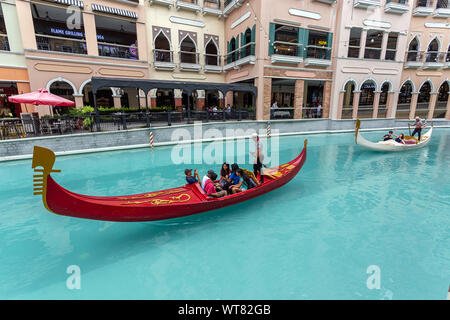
(423, 100)
(442, 100)
(384, 94)
(404, 101)
(64, 90)
(104, 97)
(163, 52)
(247, 51)
(212, 54)
(433, 51)
(413, 50)
(188, 51)
(366, 98)
(165, 99)
(347, 105)
(231, 53)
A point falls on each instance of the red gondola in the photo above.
(157, 205)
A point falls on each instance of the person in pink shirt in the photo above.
(210, 187)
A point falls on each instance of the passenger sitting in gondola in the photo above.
(246, 183)
(400, 138)
(191, 179)
(213, 189)
(388, 136)
(225, 173)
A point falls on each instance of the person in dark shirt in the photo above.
(388, 136)
(191, 179)
(400, 138)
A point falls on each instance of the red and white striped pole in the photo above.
(268, 130)
(151, 136)
(448, 294)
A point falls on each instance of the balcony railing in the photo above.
(230, 5)
(189, 61)
(163, 59)
(212, 7)
(117, 51)
(423, 8)
(190, 5)
(4, 43)
(240, 56)
(212, 63)
(434, 60)
(396, 6)
(414, 59)
(287, 52)
(60, 44)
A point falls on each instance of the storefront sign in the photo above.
(72, 33)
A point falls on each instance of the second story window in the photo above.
(413, 53)
(162, 49)
(188, 51)
(354, 43)
(442, 4)
(212, 57)
(433, 51)
(4, 44)
(116, 38)
(391, 48)
(318, 46)
(424, 3)
(215, 4)
(55, 31)
(286, 41)
(373, 44)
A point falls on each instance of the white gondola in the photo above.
(392, 145)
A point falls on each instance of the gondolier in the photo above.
(418, 125)
(259, 157)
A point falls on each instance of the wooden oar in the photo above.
(409, 127)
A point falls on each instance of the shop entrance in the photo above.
(313, 96)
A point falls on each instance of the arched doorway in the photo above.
(442, 100)
(404, 101)
(384, 94)
(423, 100)
(162, 49)
(165, 99)
(366, 98)
(104, 97)
(347, 105)
(64, 90)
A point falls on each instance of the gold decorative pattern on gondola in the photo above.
(184, 197)
(152, 194)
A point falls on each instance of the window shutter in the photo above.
(242, 45)
(305, 42)
(329, 44)
(253, 39)
(271, 37)
(236, 54)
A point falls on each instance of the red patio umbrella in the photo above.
(41, 97)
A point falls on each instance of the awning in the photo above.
(119, 12)
(71, 3)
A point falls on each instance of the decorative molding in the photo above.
(441, 25)
(241, 19)
(304, 14)
(378, 24)
(288, 22)
(188, 22)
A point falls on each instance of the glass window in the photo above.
(55, 31)
(442, 4)
(373, 44)
(188, 51)
(4, 44)
(354, 42)
(215, 4)
(367, 93)
(211, 54)
(433, 51)
(162, 49)
(391, 48)
(286, 41)
(318, 45)
(116, 37)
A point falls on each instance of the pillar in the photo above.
(117, 103)
(221, 102)
(340, 105)
(298, 98)
(376, 104)
(200, 100)
(78, 101)
(26, 21)
(153, 98)
(326, 103)
(356, 95)
(142, 41)
(390, 113)
(91, 34)
(432, 105)
(178, 96)
(447, 113)
(384, 45)
(266, 97)
(229, 98)
(413, 105)
(362, 44)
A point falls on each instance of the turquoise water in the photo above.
(314, 238)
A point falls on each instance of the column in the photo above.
(447, 113)
(221, 102)
(376, 103)
(362, 43)
(390, 104)
(153, 98)
(78, 101)
(356, 95)
(340, 105)
(178, 97)
(25, 19)
(298, 98)
(117, 102)
(91, 34)
(413, 105)
(432, 105)
(141, 41)
(326, 99)
(384, 44)
(266, 97)
(142, 99)
(200, 100)
(229, 98)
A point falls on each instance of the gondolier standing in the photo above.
(259, 157)
(419, 124)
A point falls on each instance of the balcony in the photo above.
(117, 51)
(423, 8)
(190, 5)
(442, 9)
(327, 1)
(434, 60)
(189, 61)
(167, 3)
(60, 44)
(230, 5)
(396, 6)
(212, 7)
(318, 56)
(241, 56)
(212, 63)
(163, 59)
(414, 59)
(366, 3)
(287, 52)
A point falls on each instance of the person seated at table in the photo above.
(191, 179)
(212, 189)
(388, 136)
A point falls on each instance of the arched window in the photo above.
(165, 98)
(442, 100)
(247, 39)
(433, 51)
(447, 57)
(188, 51)
(365, 108)
(404, 101)
(162, 49)
(347, 107)
(104, 96)
(423, 100)
(231, 51)
(413, 51)
(211, 54)
(62, 89)
(383, 100)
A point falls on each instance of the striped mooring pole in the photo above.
(151, 136)
(268, 129)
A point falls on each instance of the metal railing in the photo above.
(318, 52)
(435, 56)
(61, 44)
(163, 55)
(106, 49)
(242, 52)
(4, 43)
(287, 48)
(212, 59)
(188, 57)
(414, 56)
(372, 53)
